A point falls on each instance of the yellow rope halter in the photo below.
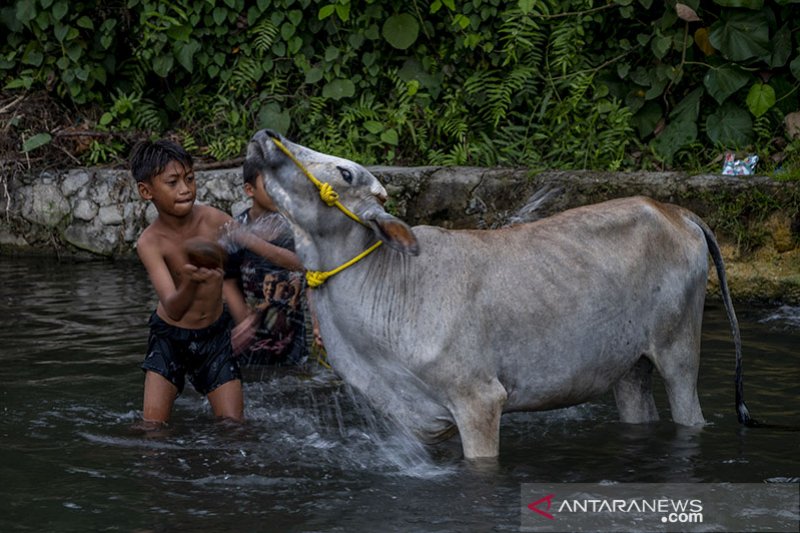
(315, 278)
(326, 192)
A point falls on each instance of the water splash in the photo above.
(534, 207)
(271, 227)
(398, 451)
(787, 315)
(325, 422)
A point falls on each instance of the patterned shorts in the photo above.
(205, 354)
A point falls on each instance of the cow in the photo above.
(446, 330)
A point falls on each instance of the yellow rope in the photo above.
(326, 192)
(315, 278)
(321, 356)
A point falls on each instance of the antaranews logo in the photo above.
(673, 511)
(692, 507)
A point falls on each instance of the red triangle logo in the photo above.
(535, 506)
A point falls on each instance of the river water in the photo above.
(312, 455)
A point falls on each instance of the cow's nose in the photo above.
(265, 135)
(255, 148)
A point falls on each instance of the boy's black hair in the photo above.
(250, 172)
(150, 158)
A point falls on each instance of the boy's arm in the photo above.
(314, 320)
(245, 238)
(275, 254)
(174, 300)
(244, 333)
(235, 300)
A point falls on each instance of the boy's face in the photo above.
(259, 194)
(172, 191)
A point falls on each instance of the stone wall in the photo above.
(93, 212)
(87, 213)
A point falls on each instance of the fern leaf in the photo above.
(522, 36)
(566, 42)
(501, 96)
(148, 116)
(264, 34)
(246, 74)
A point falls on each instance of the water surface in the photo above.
(312, 456)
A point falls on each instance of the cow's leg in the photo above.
(683, 401)
(477, 414)
(678, 362)
(634, 394)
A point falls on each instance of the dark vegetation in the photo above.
(614, 85)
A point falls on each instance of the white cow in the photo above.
(446, 330)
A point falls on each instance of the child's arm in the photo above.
(314, 320)
(275, 254)
(244, 333)
(175, 301)
(235, 299)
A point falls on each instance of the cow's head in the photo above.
(298, 198)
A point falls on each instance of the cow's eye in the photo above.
(346, 175)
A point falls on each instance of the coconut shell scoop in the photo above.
(204, 253)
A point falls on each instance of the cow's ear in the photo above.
(396, 233)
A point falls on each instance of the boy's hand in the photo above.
(201, 274)
(244, 333)
(317, 336)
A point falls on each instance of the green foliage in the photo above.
(742, 52)
(541, 83)
(38, 140)
(104, 152)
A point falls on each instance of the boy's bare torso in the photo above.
(165, 239)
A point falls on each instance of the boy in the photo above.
(275, 292)
(190, 330)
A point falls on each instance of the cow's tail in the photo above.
(742, 413)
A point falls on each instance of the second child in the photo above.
(275, 292)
